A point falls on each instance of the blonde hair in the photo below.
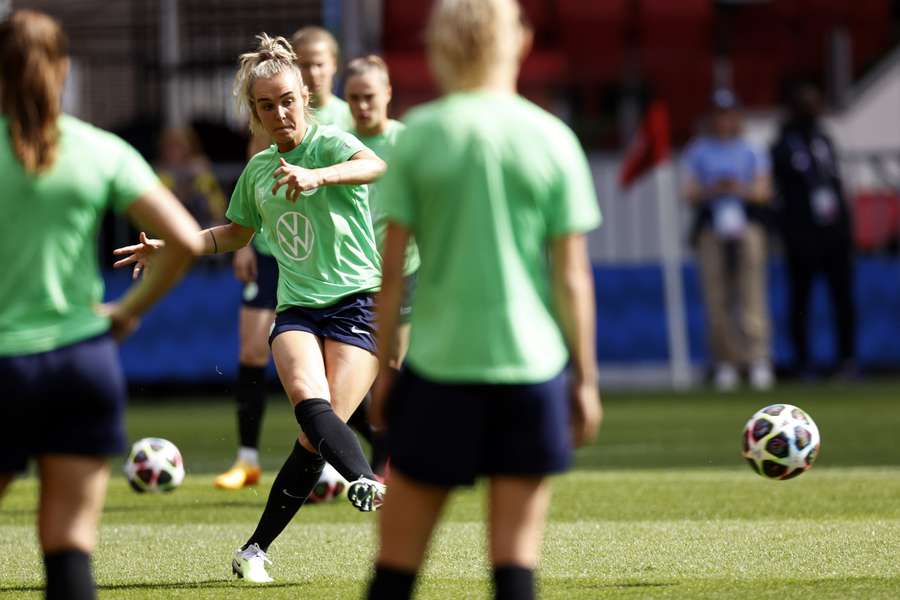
(272, 57)
(311, 35)
(32, 48)
(469, 39)
(367, 64)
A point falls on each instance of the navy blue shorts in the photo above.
(409, 290)
(263, 292)
(351, 321)
(448, 434)
(66, 401)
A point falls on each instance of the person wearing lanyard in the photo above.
(726, 182)
(815, 225)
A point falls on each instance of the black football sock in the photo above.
(296, 479)
(391, 584)
(251, 401)
(69, 575)
(334, 440)
(512, 582)
(359, 420)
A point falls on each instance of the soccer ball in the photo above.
(780, 441)
(331, 485)
(154, 465)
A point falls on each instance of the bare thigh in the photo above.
(351, 372)
(518, 512)
(254, 325)
(73, 489)
(407, 520)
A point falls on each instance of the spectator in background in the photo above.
(184, 169)
(727, 184)
(815, 224)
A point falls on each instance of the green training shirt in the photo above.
(324, 243)
(336, 112)
(49, 279)
(485, 181)
(382, 144)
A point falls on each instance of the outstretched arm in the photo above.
(362, 168)
(215, 240)
(159, 210)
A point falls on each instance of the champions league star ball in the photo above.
(331, 485)
(154, 465)
(781, 441)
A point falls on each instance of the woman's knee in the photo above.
(300, 388)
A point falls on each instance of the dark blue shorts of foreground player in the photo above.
(351, 320)
(262, 293)
(66, 401)
(448, 434)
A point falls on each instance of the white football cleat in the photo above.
(726, 378)
(761, 376)
(366, 494)
(250, 564)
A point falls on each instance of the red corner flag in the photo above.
(650, 145)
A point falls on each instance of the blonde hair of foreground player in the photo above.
(34, 64)
(475, 46)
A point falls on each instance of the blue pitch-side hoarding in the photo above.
(192, 335)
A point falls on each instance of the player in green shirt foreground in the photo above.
(62, 390)
(254, 265)
(307, 195)
(498, 195)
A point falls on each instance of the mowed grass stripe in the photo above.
(593, 552)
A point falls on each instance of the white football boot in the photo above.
(761, 376)
(726, 378)
(250, 564)
(366, 494)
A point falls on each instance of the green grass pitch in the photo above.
(661, 506)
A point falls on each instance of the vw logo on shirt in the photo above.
(295, 235)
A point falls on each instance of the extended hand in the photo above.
(297, 179)
(139, 254)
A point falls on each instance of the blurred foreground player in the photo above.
(307, 195)
(503, 289)
(62, 391)
(317, 56)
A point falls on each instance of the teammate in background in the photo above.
(307, 195)
(503, 288)
(62, 391)
(367, 89)
(317, 56)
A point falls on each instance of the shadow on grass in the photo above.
(188, 585)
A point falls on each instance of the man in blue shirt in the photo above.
(727, 183)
